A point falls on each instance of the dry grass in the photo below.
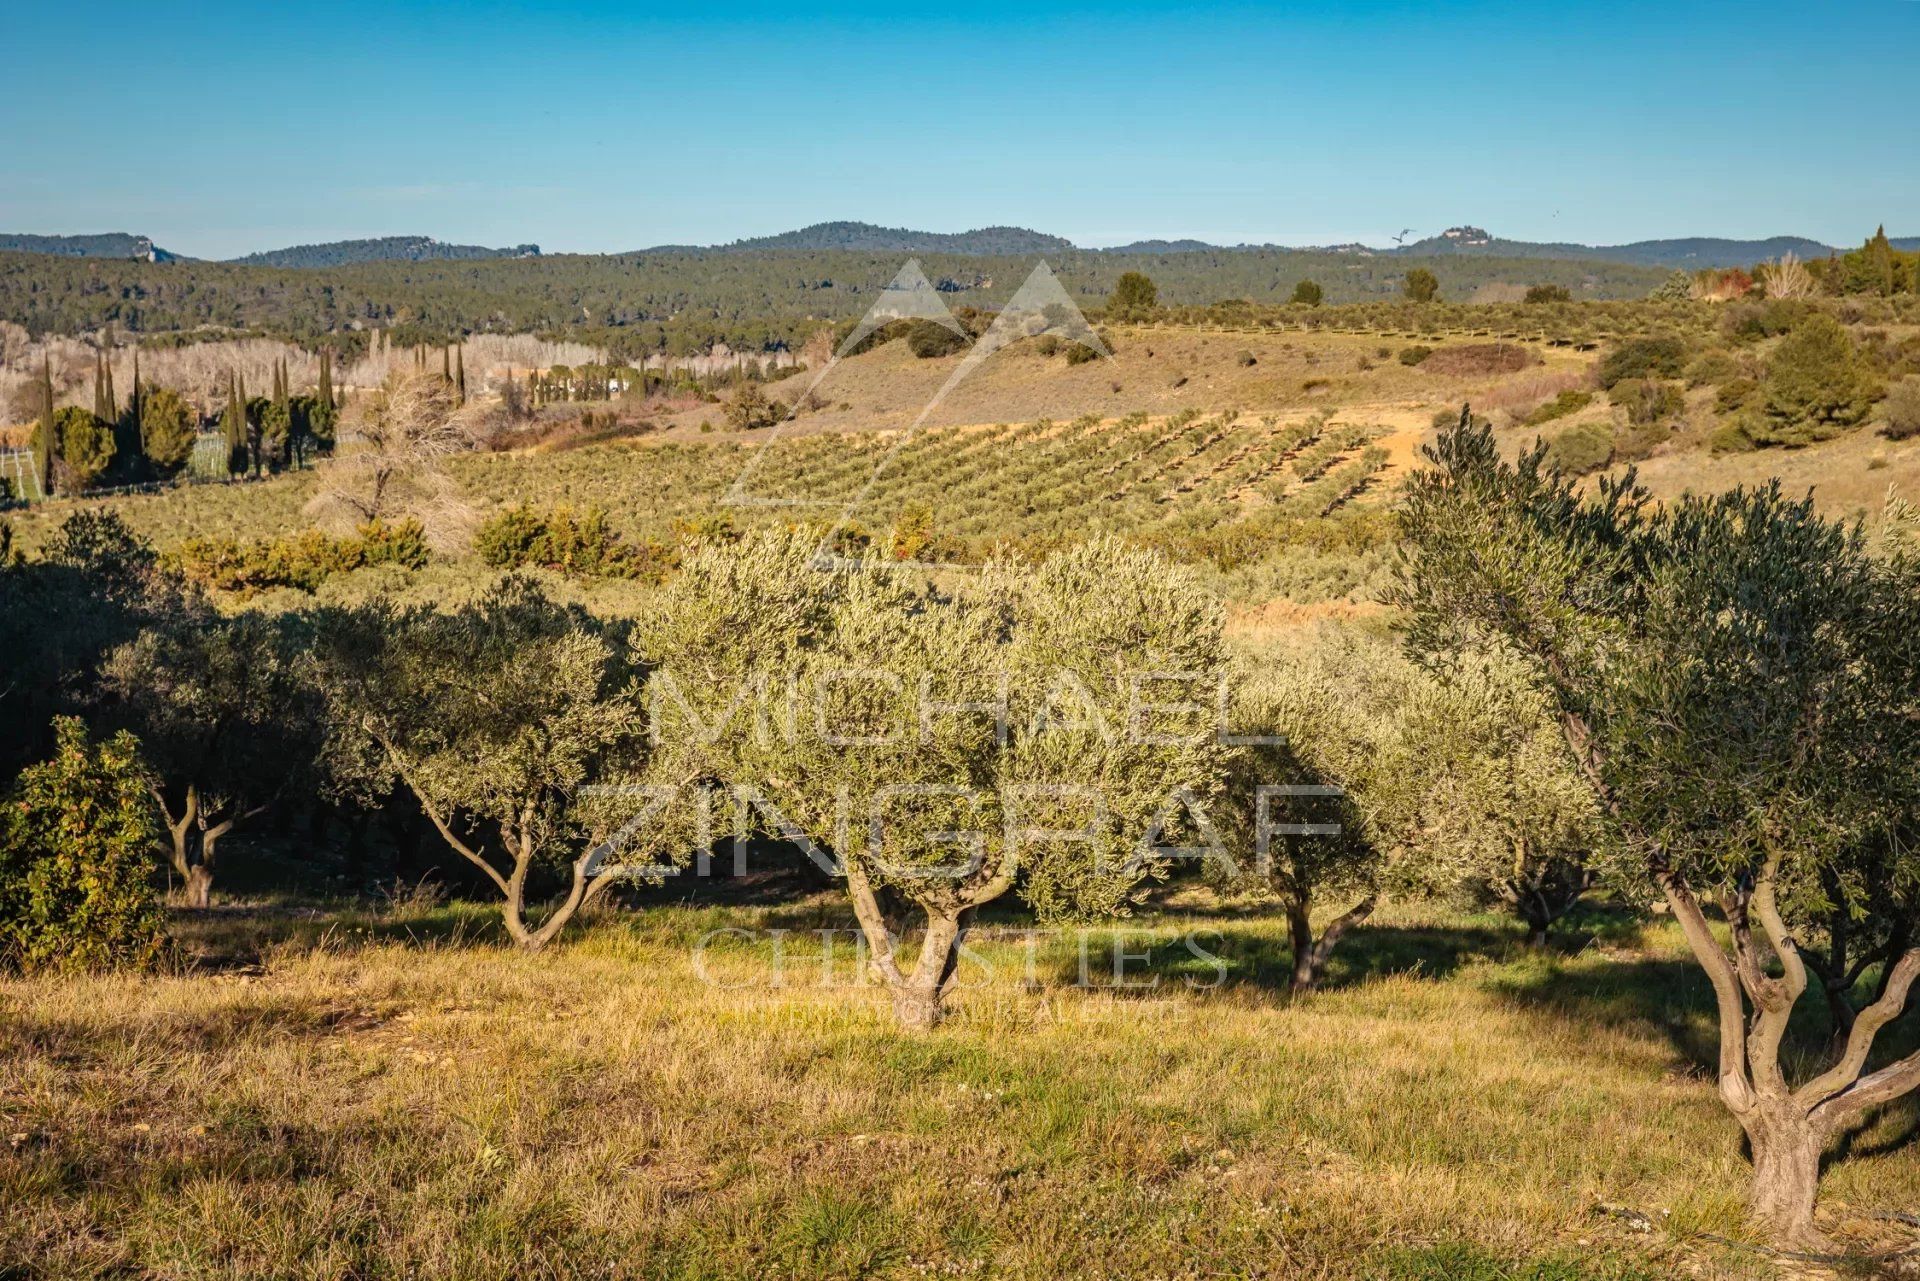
(375, 1099)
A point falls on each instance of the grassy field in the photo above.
(392, 1093)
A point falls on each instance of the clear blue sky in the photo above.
(224, 128)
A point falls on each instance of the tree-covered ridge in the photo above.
(340, 253)
(866, 237)
(684, 300)
(111, 244)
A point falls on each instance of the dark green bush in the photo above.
(927, 340)
(1567, 402)
(304, 560)
(1713, 366)
(1735, 395)
(1731, 437)
(1414, 355)
(76, 859)
(1752, 322)
(1548, 293)
(567, 541)
(1816, 386)
(1580, 449)
(1661, 356)
(1648, 400)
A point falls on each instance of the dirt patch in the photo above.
(1479, 359)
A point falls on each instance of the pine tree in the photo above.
(45, 447)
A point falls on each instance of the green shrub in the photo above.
(567, 541)
(86, 447)
(1640, 440)
(1902, 411)
(1080, 353)
(1713, 367)
(1133, 292)
(1731, 437)
(1421, 285)
(76, 859)
(751, 409)
(1309, 294)
(927, 340)
(166, 430)
(1567, 402)
(1245, 359)
(1735, 395)
(1415, 355)
(1548, 293)
(303, 561)
(1661, 356)
(1580, 449)
(1648, 400)
(1816, 386)
(1752, 322)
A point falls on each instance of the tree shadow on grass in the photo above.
(237, 937)
(1668, 998)
(1116, 956)
(1672, 998)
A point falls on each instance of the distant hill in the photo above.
(1690, 252)
(1164, 247)
(341, 253)
(110, 244)
(865, 237)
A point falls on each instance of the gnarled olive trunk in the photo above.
(1310, 955)
(1786, 1147)
(1787, 1126)
(919, 995)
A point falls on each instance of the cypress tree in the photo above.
(326, 377)
(234, 427)
(459, 376)
(101, 409)
(446, 365)
(113, 400)
(45, 447)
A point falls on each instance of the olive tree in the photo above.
(1736, 678)
(1503, 808)
(937, 748)
(224, 717)
(513, 721)
(1317, 808)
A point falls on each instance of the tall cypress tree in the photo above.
(459, 376)
(113, 401)
(446, 365)
(101, 409)
(234, 427)
(45, 447)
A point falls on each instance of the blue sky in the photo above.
(224, 128)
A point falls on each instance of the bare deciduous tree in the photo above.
(387, 466)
